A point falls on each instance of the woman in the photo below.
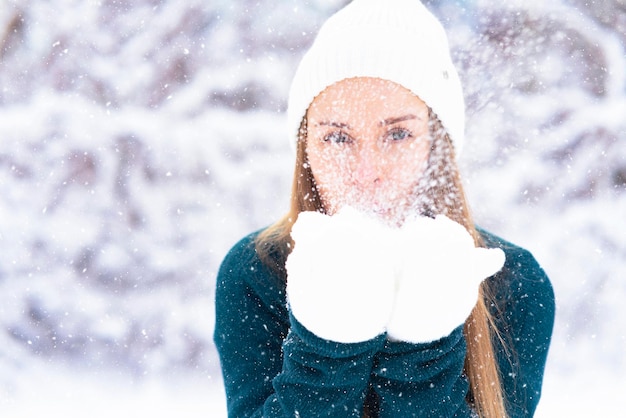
(376, 295)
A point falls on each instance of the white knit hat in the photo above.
(395, 40)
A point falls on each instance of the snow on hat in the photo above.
(395, 40)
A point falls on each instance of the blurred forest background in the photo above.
(140, 139)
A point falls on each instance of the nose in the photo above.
(367, 166)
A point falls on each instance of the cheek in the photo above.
(407, 166)
(322, 171)
(332, 178)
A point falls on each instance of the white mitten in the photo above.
(339, 275)
(437, 286)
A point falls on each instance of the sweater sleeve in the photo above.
(271, 365)
(524, 311)
(323, 378)
(423, 380)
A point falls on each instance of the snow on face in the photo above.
(368, 144)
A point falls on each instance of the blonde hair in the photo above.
(441, 192)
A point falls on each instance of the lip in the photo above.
(373, 207)
(383, 212)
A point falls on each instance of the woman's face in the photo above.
(368, 143)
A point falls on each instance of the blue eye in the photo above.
(338, 137)
(399, 134)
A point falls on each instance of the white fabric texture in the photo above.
(339, 280)
(438, 281)
(395, 40)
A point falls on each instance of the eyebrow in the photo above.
(391, 121)
(334, 124)
(384, 122)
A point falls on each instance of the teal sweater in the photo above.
(273, 367)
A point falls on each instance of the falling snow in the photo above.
(139, 141)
